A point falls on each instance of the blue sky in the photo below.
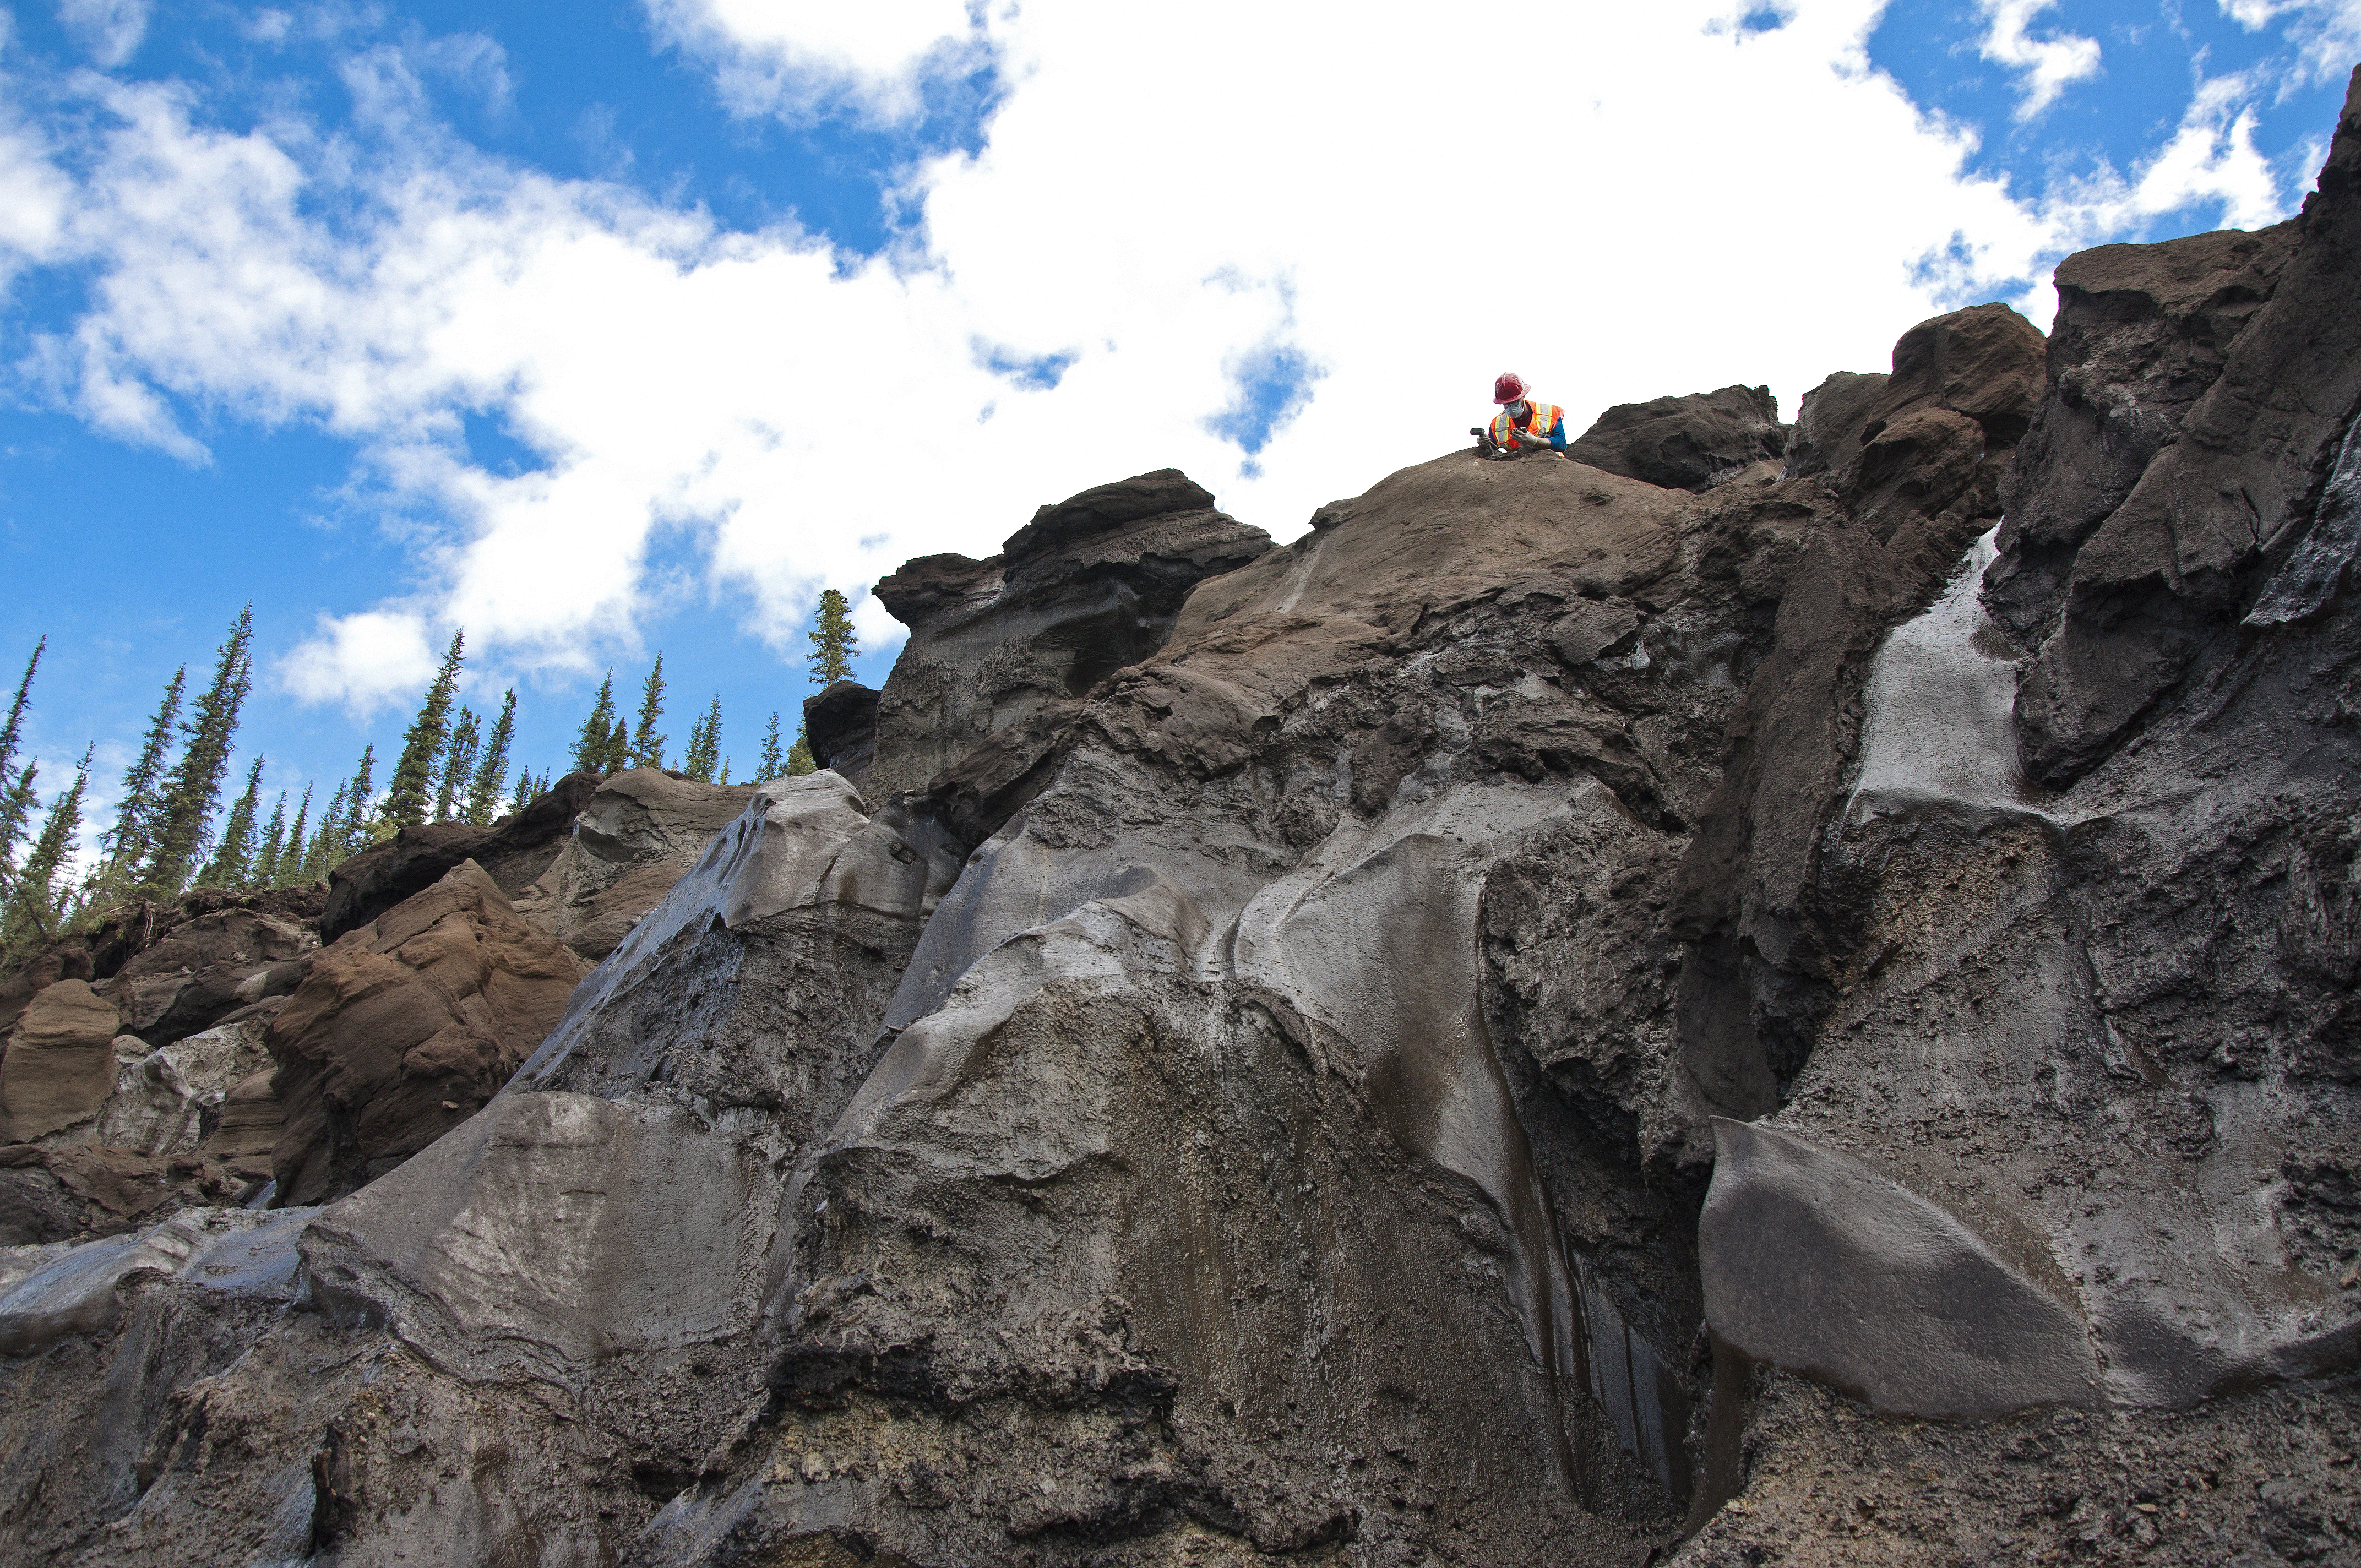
(629, 325)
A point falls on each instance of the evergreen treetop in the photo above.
(619, 750)
(233, 864)
(42, 895)
(127, 842)
(406, 796)
(292, 862)
(322, 852)
(459, 765)
(590, 746)
(17, 786)
(704, 755)
(192, 789)
(647, 744)
(833, 640)
(274, 846)
(492, 771)
(773, 762)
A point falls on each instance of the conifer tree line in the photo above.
(609, 743)
(171, 831)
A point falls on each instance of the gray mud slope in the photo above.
(1552, 1020)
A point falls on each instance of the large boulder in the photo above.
(1685, 444)
(2154, 584)
(402, 1029)
(640, 830)
(58, 1067)
(840, 727)
(1089, 586)
(204, 969)
(513, 851)
(67, 961)
(2142, 332)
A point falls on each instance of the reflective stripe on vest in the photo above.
(1540, 420)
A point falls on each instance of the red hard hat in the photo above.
(1509, 387)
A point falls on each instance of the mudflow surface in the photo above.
(1782, 993)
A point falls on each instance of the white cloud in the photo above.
(2047, 66)
(109, 30)
(2210, 157)
(797, 59)
(362, 660)
(2326, 33)
(1331, 200)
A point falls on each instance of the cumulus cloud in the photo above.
(2045, 66)
(799, 58)
(2326, 33)
(109, 30)
(362, 660)
(1296, 269)
(2210, 160)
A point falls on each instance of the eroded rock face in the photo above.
(208, 967)
(1685, 444)
(1546, 1004)
(403, 1028)
(513, 851)
(840, 727)
(1089, 586)
(2153, 586)
(59, 1064)
(640, 830)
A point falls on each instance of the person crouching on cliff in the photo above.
(1522, 425)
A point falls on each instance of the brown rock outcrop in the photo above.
(207, 967)
(2161, 577)
(2142, 332)
(1089, 586)
(513, 851)
(640, 830)
(59, 1063)
(1685, 444)
(840, 727)
(403, 1028)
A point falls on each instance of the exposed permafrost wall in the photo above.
(1938, 724)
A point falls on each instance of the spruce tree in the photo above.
(524, 791)
(293, 859)
(725, 769)
(773, 762)
(128, 841)
(800, 758)
(17, 785)
(590, 746)
(492, 771)
(233, 865)
(274, 844)
(704, 744)
(321, 854)
(619, 750)
(459, 765)
(358, 816)
(833, 640)
(43, 894)
(192, 789)
(647, 745)
(422, 744)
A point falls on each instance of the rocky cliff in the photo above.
(1776, 995)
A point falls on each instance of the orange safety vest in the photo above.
(1540, 420)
